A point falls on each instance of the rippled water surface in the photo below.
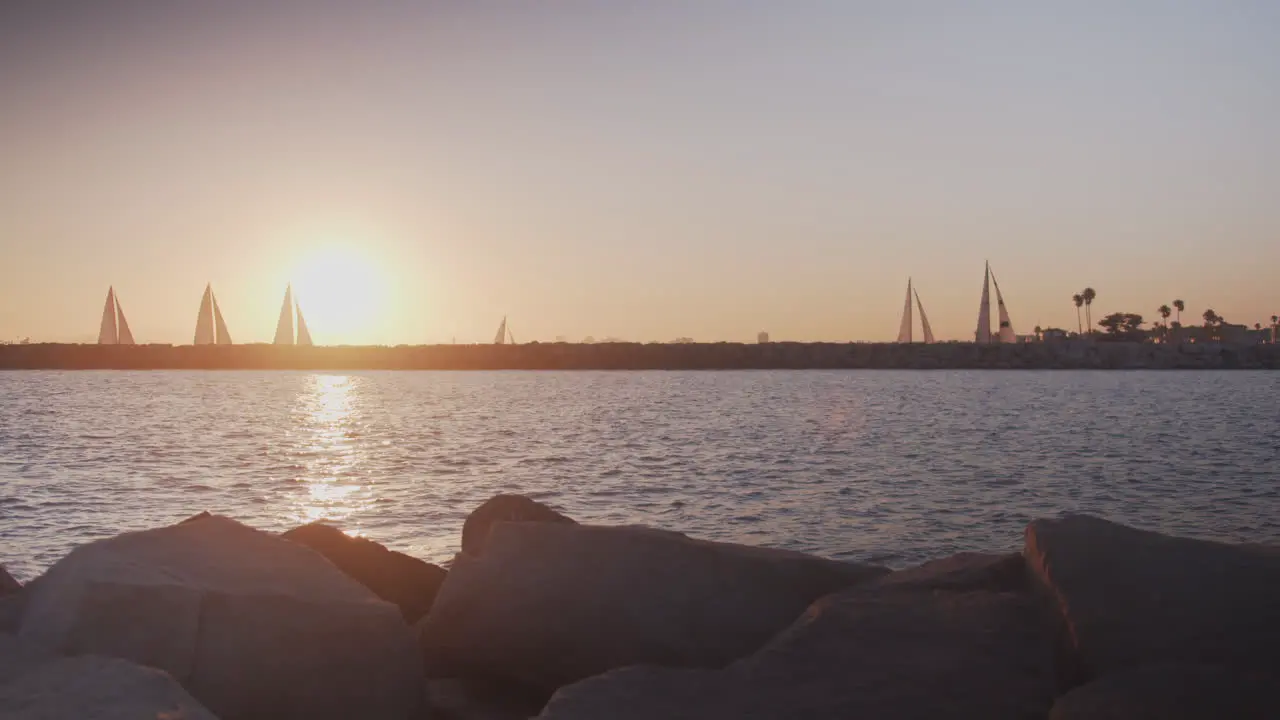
(885, 466)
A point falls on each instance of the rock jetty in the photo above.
(543, 617)
(1066, 354)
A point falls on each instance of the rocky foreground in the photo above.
(540, 616)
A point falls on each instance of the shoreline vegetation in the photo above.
(539, 616)
(1068, 354)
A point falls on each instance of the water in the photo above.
(891, 467)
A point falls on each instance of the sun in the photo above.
(340, 292)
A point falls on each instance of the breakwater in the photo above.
(1063, 355)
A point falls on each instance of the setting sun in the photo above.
(341, 293)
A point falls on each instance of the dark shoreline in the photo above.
(1065, 355)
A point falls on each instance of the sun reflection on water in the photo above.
(327, 447)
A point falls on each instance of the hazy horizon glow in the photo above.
(650, 171)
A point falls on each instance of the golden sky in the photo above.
(645, 171)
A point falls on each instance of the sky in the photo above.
(674, 168)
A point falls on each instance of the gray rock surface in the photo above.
(36, 684)
(864, 653)
(7, 583)
(548, 603)
(504, 508)
(1131, 597)
(395, 577)
(963, 571)
(1174, 692)
(252, 625)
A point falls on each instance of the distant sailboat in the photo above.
(211, 329)
(284, 327)
(904, 330)
(114, 329)
(1005, 333)
(504, 336)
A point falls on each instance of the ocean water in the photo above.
(890, 467)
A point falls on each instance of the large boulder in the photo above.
(395, 577)
(7, 583)
(548, 603)
(863, 653)
(963, 571)
(252, 625)
(1173, 692)
(91, 687)
(503, 508)
(1131, 597)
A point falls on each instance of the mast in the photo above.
(107, 330)
(221, 337)
(1006, 327)
(204, 318)
(123, 335)
(284, 326)
(983, 335)
(904, 329)
(924, 321)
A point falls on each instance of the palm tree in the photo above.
(1211, 320)
(1038, 331)
(1179, 306)
(1165, 312)
(1078, 299)
(1089, 294)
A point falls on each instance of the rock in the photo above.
(395, 577)
(1172, 692)
(1131, 597)
(550, 603)
(18, 657)
(7, 583)
(202, 515)
(459, 699)
(863, 653)
(99, 688)
(503, 508)
(964, 571)
(252, 625)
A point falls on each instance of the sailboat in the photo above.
(904, 331)
(1005, 332)
(504, 336)
(211, 329)
(284, 327)
(114, 329)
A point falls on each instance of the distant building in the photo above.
(762, 338)
(1053, 334)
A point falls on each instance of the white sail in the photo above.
(304, 335)
(124, 336)
(924, 321)
(221, 336)
(107, 330)
(983, 335)
(501, 337)
(511, 337)
(904, 330)
(1006, 327)
(284, 327)
(204, 318)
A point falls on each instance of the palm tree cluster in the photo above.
(1084, 298)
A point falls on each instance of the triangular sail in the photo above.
(904, 330)
(501, 337)
(1006, 327)
(123, 335)
(304, 335)
(107, 330)
(511, 337)
(204, 318)
(983, 335)
(284, 327)
(221, 337)
(924, 321)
